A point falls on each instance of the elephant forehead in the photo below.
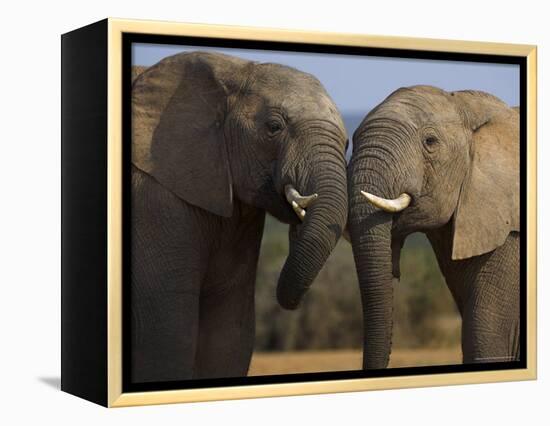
(414, 112)
(319, 109)
(285, 81)
(300, 95)
(422, 103)
(306, 106)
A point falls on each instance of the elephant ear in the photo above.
(488, 205)
(178, 110)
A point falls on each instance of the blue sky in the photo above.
(358, 83)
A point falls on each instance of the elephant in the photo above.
(218, 141)
(445, 164)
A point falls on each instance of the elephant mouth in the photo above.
(276, 203)
(403, 209)
(292, 206)
(286, 214)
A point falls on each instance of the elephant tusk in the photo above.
(392, 206)
(298, 202)
(298, 210)
(301, 200)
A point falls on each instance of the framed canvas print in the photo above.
(253, 212)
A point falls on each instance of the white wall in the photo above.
(30, 199)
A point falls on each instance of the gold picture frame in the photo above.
(115, 29)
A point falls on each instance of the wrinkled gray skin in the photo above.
(215, 141)
(457, 155)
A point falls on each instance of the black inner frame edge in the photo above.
(129, 38)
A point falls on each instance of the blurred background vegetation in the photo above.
(330, 316)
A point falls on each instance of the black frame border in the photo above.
(129, 38)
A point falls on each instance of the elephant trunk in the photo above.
(378, 169)
(312, 242)
(372, 250)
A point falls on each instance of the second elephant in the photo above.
(446, 164)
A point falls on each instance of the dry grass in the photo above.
(267, 363)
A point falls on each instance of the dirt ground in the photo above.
(267, 363)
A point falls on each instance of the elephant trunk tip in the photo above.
(287, 297)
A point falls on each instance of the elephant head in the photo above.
(215, 129)
(422, 159)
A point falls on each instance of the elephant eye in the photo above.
(274, 126)
(430, 142)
